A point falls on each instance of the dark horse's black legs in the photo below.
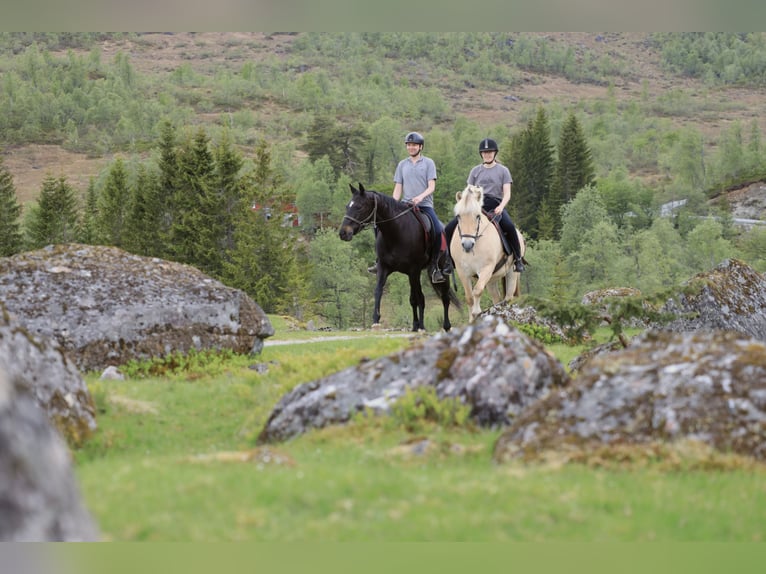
(443, 289)
(417, 302)
(382, 277)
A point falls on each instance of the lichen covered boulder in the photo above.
(707, 386)
(488, 365)
(39, 499)
(105, 306)
(732, 296)
(40, 368)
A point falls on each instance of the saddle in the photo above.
(425, 223)
(503, 239)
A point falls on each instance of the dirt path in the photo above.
(322, 339)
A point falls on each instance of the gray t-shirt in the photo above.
(414, 178)
(491, 179)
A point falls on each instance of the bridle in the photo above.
(372, 217)
(474, 236)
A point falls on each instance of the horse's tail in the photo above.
(439, 289)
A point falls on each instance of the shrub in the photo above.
(194, 362)
(422, 405)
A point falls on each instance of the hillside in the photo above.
(710, 111)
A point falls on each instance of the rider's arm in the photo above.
(428, 191)
(506, 198)
(397, 193)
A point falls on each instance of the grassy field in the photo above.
(175, 459)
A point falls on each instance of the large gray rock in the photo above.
(488, 365)
(105, 306)
(47, 375)
(707, 386)
(732, 296)
(39, 497)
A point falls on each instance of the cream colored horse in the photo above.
(477, 251)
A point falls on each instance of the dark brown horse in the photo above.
(401, 245)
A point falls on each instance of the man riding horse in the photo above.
(415, 181)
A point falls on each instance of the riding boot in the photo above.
(447, 265)
(436, 274)
(518, 264)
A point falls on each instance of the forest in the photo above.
(240, 164)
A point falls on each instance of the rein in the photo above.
(372, 219)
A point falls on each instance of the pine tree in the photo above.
(531, 163)
(143, 219)
(196, 229)
(168, 182)
(88, 232)
(11, 240)
(574, 168)
(228, 163)
(114, 205)
(266, 262)
(55, 218)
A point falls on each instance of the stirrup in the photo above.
(437, 276)
(373, 268)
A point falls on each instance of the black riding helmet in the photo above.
(488, 144)
(414, 137)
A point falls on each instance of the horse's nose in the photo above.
(468, 244)
(345, 233)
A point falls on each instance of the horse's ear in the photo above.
(353, 189)
(458, 196)
(361, 187)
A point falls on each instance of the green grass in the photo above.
(158, 470)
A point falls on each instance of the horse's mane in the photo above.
(394, 205)
(468, 203)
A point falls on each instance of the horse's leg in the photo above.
(512, 284)
(484, 276)
(493, 287)
(465, 281)
(382, 277)
(417, 302)
(443, 290)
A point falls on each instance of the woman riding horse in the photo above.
(496, 181)
(478, 252)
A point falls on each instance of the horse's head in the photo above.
(468, 213)
(469, 201)
(360, 212)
